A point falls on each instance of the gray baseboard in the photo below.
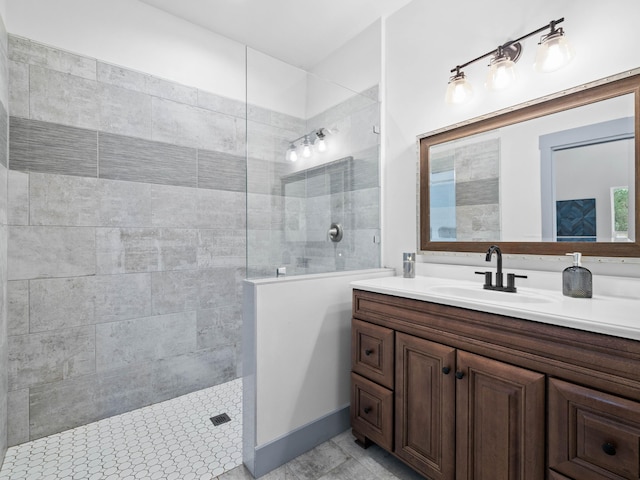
(280, 451)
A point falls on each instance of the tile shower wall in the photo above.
(289, 219)
(127, 215)
(4, 163)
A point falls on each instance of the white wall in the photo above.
(424, 40)
(356, 66)
(134, 35)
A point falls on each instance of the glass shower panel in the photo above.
(320, 212)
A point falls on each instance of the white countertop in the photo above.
(602, 314)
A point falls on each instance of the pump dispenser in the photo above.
(576, 280)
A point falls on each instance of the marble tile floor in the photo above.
(171, 440)
(337, 459)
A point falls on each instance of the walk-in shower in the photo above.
(313, 163)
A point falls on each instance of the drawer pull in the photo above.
(459, 375)
(446, 370)
(609, 448)
(368, 352)
(367, 410)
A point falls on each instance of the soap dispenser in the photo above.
(576, 280)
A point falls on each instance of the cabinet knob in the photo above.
(368, 352)
(459, 375)
(446, 370)
(609, 448)
(367, 409)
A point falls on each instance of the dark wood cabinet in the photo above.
(467, 395)
(425, 406)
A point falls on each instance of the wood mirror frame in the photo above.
(625, 83)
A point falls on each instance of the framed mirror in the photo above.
(555, 175)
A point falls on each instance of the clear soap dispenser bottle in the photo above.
(576, 280)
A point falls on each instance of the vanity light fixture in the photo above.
(554, 52)
(319, 144)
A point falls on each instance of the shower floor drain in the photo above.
(220, 419)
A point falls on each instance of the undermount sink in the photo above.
(480, 294)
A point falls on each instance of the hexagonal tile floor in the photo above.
(175, 439)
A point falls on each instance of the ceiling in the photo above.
(299, 32)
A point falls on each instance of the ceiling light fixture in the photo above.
(319, 144)
(554, 52)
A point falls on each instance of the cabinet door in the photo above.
(425, 406)
(592, 435)
(500, 420)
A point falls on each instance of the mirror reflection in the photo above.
(563, 177)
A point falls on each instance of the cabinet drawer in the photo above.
(372, 411)
(592, 435)
(372, 352)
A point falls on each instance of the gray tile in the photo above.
(177, 92)
(4, 136)
(219, 326)
(144, 83)
(34, 53)
(18, 198)
(187, 373)
(189, 126)
(62, 200)
(40, 358)
(18, 307)
(365, 173)
(4, 200)
(130, 342)
(131, 250)
(281, 473)
(52, 92)
(64, 405)
(57, 303)
(124, 204)
(122, 77)
(221, 171)
(175, 291)
(221, 209)
(317, 462)
(37, 252)
(18, 89)
(218, 103)
(478, 192)
(50, 148)
(238, 473)
(122, 297)
(18, 417)
(175, 207)
(350, 469)
(138, 160)
(124, 112)
(362, 123)
(221, 247)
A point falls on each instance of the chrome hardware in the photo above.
(335, 232)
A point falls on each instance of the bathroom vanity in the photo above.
(461, 384)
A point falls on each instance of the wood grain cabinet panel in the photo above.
(425, 406)
(468, 395)
(372, 352)
(372, 411)
(500, 416)
(592, 435)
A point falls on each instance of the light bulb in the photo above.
(502, 73)
(554, 52)
(306, 148)
(292, 154)
(458, 90)
(320, 143)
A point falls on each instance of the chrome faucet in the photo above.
(511, 277)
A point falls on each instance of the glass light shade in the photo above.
(502, 73)
(292, 155)
(554, 52)
(321, 145)
(459, 90)
(306, 148)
